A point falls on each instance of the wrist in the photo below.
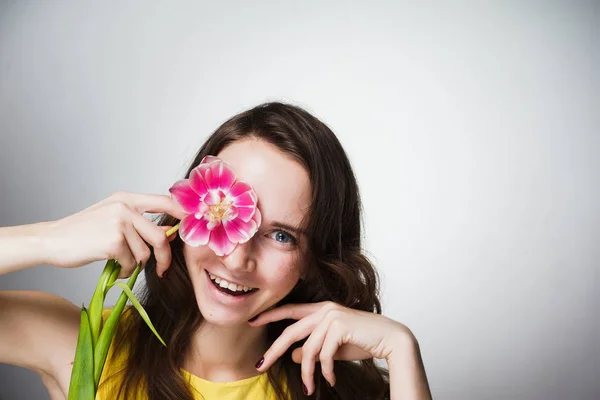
(408, 379)
(40, 241)
(22, 247)
(405, 347)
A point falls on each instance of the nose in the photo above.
(241, 259)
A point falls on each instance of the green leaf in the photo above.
(109, 329)
(140, 309)
(97, 302)
(82, 386)
(113, 277)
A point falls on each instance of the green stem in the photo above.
(172, 230)
(108, 331)
(113, 277)
(97, 302)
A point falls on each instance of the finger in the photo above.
(124, 256)
(331, 344)
(345, 352)
(153, 203)
(138, 249)
(155, 236)
(290, 335)
(310, 352)
(288, 311)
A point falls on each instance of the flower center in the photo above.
(219, 211)
(217, 207)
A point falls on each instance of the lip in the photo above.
(225, 298)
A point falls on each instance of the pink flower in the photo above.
(222, 211)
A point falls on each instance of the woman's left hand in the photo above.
(334, 332)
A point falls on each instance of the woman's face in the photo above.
(272, 261)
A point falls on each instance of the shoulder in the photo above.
(39, 332)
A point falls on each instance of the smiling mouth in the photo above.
(229, 288)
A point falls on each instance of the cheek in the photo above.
(281, 289)
(196, 253)
(282, 275)
(284, 281)
(194, 256)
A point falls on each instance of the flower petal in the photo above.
(219, 242)
(197, 182)
(194, 231)
(202, 209)
(238, 188)
(226, 177)
(219, 176)
(239, 231)
(213, 198)
(185, 196)
(209, 159)
(245, 199)
(210, 179)
(257, 217)
(244, 213)
(213, 223)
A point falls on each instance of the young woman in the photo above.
(293, 311)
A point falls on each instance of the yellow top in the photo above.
(257, 387)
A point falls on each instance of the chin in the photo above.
(223, 320)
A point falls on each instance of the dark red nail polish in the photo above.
(260, 362)
(304, 389)
(253, 318)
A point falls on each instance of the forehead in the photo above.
(281, 183)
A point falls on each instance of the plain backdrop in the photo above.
(473, 128)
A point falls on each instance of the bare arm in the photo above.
(21, 247)
(407, 372)
(38, 330)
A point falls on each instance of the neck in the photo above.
(226, 354)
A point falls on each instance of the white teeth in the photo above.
(231, 286)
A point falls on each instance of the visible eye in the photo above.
(284, 237)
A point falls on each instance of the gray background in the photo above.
(473, 129)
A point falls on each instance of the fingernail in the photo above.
(304, 389)
(253, 318)
(259, 363)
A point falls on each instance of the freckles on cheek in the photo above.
(288, 282)
(283, 277)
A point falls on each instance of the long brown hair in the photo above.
(337, 269)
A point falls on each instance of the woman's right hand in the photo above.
(113, 228)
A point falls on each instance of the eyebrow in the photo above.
(287, 227)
